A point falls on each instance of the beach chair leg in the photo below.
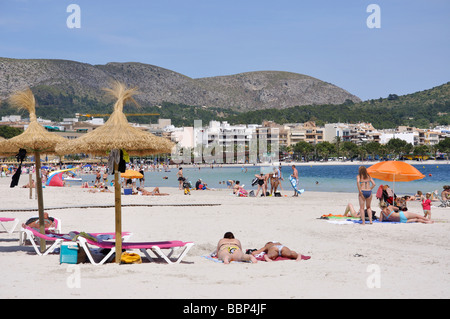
(85, 246)
(160, 253)
(48, 250)
(144, 251)
(22, 237)
(13, 227)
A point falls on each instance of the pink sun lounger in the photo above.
(156, 247)
(13, 227)
(33, 235)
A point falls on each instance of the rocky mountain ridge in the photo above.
(239, 92)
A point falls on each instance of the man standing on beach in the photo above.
(295, 175)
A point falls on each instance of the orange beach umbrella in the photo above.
(129, 173)
(394, 171)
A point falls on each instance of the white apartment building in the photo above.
(224, 134)
(358, 133)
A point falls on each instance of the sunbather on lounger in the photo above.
(274, 249)
(154, 192)
(229, 249)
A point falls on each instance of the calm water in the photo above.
(326, 178)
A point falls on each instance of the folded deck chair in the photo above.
(33, 235)
(13, 227)
(444, 203)
(156, 247)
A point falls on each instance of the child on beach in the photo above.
(426, 205)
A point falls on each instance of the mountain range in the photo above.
(239, 92)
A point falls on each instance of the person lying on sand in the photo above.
(33, 185)
(273, 249)
(229, 249)
(154, 192)
(99, 190)
(351, 212)
(394, 214)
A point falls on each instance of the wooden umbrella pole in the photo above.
(30, 182)
(118, 205)
(37, 160)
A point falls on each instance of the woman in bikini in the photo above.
(365, 185)
(154, 192)
(394, 214)
(229, 249)
(274, 249)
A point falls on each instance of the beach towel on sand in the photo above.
(259, 257)
(346, 220)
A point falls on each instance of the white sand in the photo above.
(413, 259)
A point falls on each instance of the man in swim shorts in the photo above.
(229, 249)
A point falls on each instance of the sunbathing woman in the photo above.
(154, 192)
(365, 185)
(394, 214)
(350, 211)
(229, 249)
(274, 249)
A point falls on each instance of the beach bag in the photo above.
(277, 194)
(251, 194)
(255, 181)
(130, 258)
(380, 192)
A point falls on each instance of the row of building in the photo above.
(224, 134)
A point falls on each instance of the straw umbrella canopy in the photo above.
(117, 134)
(35, 139)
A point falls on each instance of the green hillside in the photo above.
(420, 109)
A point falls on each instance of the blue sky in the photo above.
(326, 39)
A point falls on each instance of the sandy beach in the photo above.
(407, 260)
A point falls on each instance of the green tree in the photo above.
(444, 146)
(9, 132)
(373, 148)
(337, 144)
(421, 150)
(398, 147)
(349, 149)
(324, 149)
(304, 148)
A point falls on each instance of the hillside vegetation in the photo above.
(63, 88)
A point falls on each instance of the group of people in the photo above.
(230, 249)
(262, 180)
(395, 211)
(274, 178)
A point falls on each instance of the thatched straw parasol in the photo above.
(35, 139)
(117, 134)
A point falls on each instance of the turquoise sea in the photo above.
(317, 178)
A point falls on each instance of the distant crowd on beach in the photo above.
(267, 183)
